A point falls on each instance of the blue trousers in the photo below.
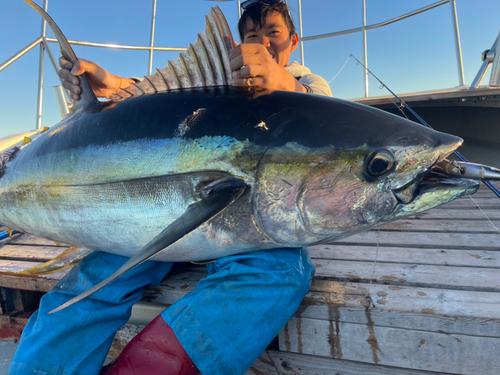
(224, 324)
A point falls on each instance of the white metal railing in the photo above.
(490, 57)
(43, 41)
(365, 27)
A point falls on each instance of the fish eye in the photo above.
(380, 162)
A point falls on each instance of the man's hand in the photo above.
(103, 83)
(253, 66)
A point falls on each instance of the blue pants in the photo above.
(224, 324)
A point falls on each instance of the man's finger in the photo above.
(66, 75)
(72, 88)
(79, 68)
(248, 71)
(252, 48)
(235, 52)
(245, 60)
(74, 97)
(65, 64)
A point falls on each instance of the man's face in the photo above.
(274, 35)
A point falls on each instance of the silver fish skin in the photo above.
(317, 170)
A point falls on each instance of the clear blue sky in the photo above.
(416, 54)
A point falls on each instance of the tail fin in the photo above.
(88, 97)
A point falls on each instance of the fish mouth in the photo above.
(432, 188)
(432, 182)
(447, 173)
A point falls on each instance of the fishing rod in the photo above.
(465, 169)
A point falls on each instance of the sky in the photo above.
(416, 54)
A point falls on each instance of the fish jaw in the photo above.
(434, 192)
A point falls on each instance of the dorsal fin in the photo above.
(87, 96)
(205, 63)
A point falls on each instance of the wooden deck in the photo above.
(433, 305)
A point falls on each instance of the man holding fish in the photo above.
(235, 312)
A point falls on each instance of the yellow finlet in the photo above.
(26, 140)
(10, 232)
(45, 129)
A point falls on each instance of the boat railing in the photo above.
(490, 57)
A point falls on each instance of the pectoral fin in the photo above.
(216, 197)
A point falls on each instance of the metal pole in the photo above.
(239, 8)
(52, 59)
(116, 46)
(61, 100)
(21, 53)
(365, 50)
(495, 67)
(380, 24)
(458, 47)
(152, 39)
(41, 68)
(300, 34)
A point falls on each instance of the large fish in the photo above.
(198, 174)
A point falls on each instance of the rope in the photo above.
(486, 216)
(374, 263)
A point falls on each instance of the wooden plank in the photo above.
(410, 311)
(445, 226)
(420, 300)
(484, 203)
(16, 266)
(436, 256)
(123, 336)
(474, 326)
(273, 362)
(170, 291)
(29, 282)
(446, 240)
(8, 239)
(467, 278)
(28, 239)
(414, 349)
(484, 194)
(458, 214)
(485, 188)
(30, 253)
